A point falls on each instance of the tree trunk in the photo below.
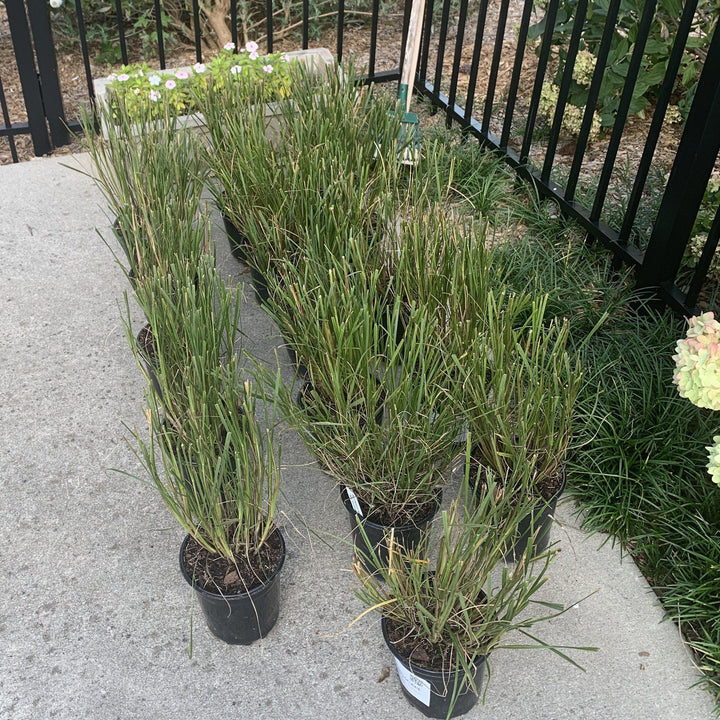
(216, 14)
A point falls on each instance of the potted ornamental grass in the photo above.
(441, 620)
(334, 157)
(518, 401)
(193, 322)
(375, 407)
(210, 456)
(217, 469)
(152, 183)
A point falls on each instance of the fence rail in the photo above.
(493, 90)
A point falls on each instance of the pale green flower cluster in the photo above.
(572, 119)
(697, 362)
(695, 248)
(714, 182)
(713, 465)
(584, 67)
(673, 114)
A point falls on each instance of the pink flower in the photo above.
(229, 46)
(253, 55)
(252, 47)
(181, 75)
(170, 84)
(267, 68)
(112, 76)
(154, 95)
(123, 77)
(199, 68)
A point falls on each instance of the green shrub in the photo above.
(655, 59)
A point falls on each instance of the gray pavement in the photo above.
(95, 617)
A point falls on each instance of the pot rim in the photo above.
(541, 501)
(432, 674)
(247, 593)
(407, 526)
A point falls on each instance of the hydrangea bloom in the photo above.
(697, 360)
(713, 465)
(584, 67)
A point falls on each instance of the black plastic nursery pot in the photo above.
(239, 243)
(127, 248)
(300, 368)
(147, 358)
(260, 286)
(435, 692)
(538, 523)
(243, 618)
(408, 536)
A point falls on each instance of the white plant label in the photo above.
(352, 497)
(416, 686)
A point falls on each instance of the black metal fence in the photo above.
(489, 80)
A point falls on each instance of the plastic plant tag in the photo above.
(352, 497)
(416, 686)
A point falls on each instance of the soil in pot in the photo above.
(240, 600)
(376, 528)
(426, 682)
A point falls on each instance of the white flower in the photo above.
(252, 46)
(112, 77)
(154, 95)
(199, 68)
(253, 55)
(56, 3)
(229, 46)
(154, 80)
(235, 69)
(267, 68)
(136, 91)
(123, 77)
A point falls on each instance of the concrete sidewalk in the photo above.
(94, 615)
